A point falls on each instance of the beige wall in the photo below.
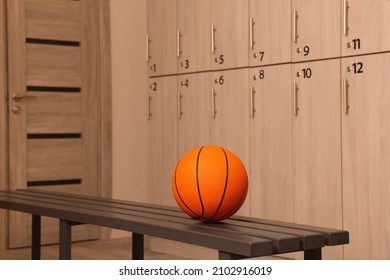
(128, 30)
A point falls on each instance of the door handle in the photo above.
(213, 29)
(295, 26)
(19, 98)
(345, 17)
(346, 96)
(295, 99)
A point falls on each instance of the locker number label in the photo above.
(220, 81)
(306, 73)
(185, 83)
(357, 68)
(220, 59)
(261, 74)
(185, 64)
(306, 51)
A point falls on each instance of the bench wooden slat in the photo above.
(308, 239)
(285, 239)
(282, 242)
(333, 237)
(238, 235)
(203, 236)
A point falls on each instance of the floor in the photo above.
(113, 249)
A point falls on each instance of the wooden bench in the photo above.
(234, 238)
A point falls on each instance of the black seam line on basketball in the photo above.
(178, 193)
(238, 203)
(197, 182)
(225, 187)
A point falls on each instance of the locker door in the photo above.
(194, 109)
(315, 29)
(365, 26)
(229, 34)
(366, 155)
(161, 37)
(317, 146)
(270, 143)
(269, 32)
(162, 138)
(193, 35)
(230, 115)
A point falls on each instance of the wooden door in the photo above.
(3, 121)
(317, 146)
(270, 143)
(162, 138)
(193, 35)
(161, 41)
(230, 116)
(229, 33)
(269, 32)
(315, 29)
(366, 155)
(53, 99)
(194, 111)
(365, 26)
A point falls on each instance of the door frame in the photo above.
(104, 132)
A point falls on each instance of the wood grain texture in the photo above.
(57, 66)
(54, 20)
(3, 123)
(317, 148)
(54, 159)
(162, 34)
(230, 127)
(105, 107)
(54, 112)
(194, 20)
(271, 145)
(194, 125)
(162, 140)
(366, 158)
(230, 18)
(37, 64)
(90, 90)
(319, 27)
(17, 85)
(271, 34)
(367, 21)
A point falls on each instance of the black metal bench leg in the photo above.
(36, 238)
(65, 240)
(138, 246)
(229, 256)
(314, 254)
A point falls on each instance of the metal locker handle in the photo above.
(178, 35)
(251, 30)
(295, 99)
(345, 17)
(213, 38)
(213, 110)
(252, 101)
(147, 48)
(295, 26)
(346, 96)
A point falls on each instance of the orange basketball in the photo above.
(210, 183)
